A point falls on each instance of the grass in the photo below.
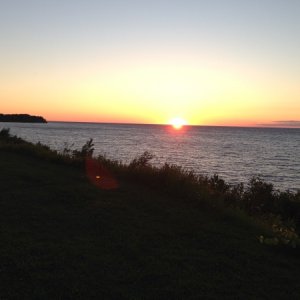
(63, 237)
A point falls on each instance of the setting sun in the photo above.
(177, 123)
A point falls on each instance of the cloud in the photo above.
(283, 123)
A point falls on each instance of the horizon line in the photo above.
(187, 125)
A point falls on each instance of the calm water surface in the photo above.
(235, 153)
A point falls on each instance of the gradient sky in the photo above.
(209, 62)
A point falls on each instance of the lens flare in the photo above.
(99, 175)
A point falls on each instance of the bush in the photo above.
(4, 134)
(141, 161)
(87, 150)
(259, 197)
(218, 185)
(284, 233)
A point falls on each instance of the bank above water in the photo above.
(65, 235)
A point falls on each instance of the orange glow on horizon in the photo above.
(152, 92)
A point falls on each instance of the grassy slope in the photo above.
(63, 238)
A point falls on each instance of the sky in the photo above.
(217, 62)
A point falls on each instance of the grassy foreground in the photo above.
(63, 237)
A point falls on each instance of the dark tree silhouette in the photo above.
(22, 118)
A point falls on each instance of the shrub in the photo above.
(4, 134)
(86, 151)
(218, 185)
(258, 197)
(6, 137)
(234, 196)
(284, 233)
(141, 161)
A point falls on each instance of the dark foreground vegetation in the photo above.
(73, 226)
(21, 118)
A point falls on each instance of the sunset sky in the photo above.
(208, 62)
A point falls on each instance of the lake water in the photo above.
(235, 153)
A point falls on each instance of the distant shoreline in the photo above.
(21, 118)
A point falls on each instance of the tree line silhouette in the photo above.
(22, 118)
